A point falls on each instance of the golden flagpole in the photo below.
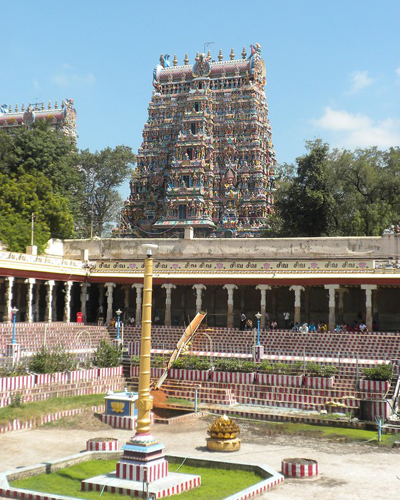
(145, 402)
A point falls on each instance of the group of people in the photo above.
(356, 326)
(247, 323)
(321, 327)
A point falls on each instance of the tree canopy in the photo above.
(45, 150)
(338, 193)
(42, 173)
(103, 173)
(22, 196)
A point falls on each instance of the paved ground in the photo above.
(348, 471)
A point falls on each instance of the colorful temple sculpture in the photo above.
(207, 159)
(62, 118)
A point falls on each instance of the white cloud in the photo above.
(36, 84)
(359, 131)
(398, 71)
(360, 80)
(68, 77)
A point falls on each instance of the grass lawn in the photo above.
(330, 432)
(216, 484)
(36, 409)
(180, 402)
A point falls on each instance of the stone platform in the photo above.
(173, 484)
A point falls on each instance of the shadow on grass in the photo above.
(70, 477)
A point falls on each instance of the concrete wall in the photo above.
(375, 247)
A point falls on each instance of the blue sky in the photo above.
(333, 68)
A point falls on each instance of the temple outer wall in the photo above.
(374, 247)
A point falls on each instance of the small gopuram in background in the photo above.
(207, 159)
(62, 118)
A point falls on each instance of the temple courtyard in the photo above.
(347, 470)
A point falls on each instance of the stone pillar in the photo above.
(274, 306)
(199, 291)
(100, 308)
(263, 289)
(54, 303)
(139, 288)
(29, 299)
(9, 281)
(168, 291)
(67, 302)
(297, 289)
(375, 311)
(84, 298)
(125, 315)
(230, 289)
(49, 301)
(368, 304)
(36, 311)
(332, 305)
(18, 295)
(341, 292)
(109, 294)
(242, 301)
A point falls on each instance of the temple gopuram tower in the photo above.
(207, 159)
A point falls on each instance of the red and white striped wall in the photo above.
(77, 375)
(293, 469)
(135, 471)
(376, 409)
(119, 422)
(257, 489)
(15, 383)
(154, 372)
(319, 382)
(282, 380)
(110, 444)
(17, 425)
(232, 377)
(51, 378)
(114, 371)
(379, 386)
(167, 492)
(192, 375)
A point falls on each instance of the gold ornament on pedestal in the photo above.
(223, 434)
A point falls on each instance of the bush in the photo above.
(234, 365)
(197, 363)
(316, 370)
(379, 372)
(330, 370)
(135, 360)
(107, 355)
(179, 364)
(280, 368)
(192, 363)
(158, 362)
(52, 361)
(16, 400)
(266, 367)
(13, 371)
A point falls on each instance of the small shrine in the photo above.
(223, 434)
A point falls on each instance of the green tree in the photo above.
(367, 190)
(305, 202)
(103, 173)
(338, 193)
(45, 150)
(107, 355)
(19, 198)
